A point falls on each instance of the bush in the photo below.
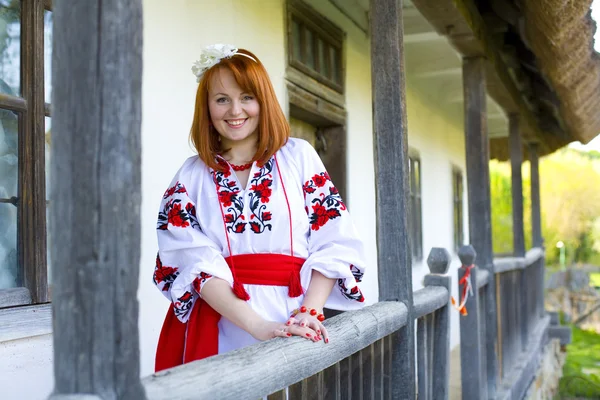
(581, 373)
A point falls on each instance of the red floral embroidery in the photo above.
(199, 281)
(321, 216)
(174, 214)
(164, 274)
(353, 294)
(177, 216)
(357, 273)
(177, 188)
(260, 194)
(325, 207)
(230, 199)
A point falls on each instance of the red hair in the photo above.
(273, 128)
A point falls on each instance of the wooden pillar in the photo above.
(478, 182)
(96, 194)
(516, 161)
(391, 174)
(536, 219)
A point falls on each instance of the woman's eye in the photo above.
(248, 98)
(221, 100)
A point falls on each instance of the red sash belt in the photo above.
(181, 343)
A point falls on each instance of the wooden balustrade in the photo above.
(356, 364)
(521, 322)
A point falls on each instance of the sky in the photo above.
(594, 144)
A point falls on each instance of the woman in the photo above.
(254, 239)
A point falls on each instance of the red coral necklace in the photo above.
(242, 167)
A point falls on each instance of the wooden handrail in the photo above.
(507, 264)
(267, 367)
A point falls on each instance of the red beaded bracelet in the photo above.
(311, 311)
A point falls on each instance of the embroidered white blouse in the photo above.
(201, 203)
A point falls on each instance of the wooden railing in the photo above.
(358, 363)
(522, 324)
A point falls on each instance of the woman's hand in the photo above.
(305, 320)
(265, 330)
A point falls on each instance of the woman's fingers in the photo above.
(281, 333)
(324, 333)
(304, 332)
(291, 321)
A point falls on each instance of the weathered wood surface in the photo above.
(391, 174)
(293, 359)
(96, 196)
(14, 297)
(522, 373)
(23, 322)
(536, 210)
(477, 149)
(12, 103)
(516, 160)
(483, 277)
(430, 299)
(507, 264)
(32, 183)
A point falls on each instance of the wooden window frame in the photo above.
(322, 29)
(458, 189)
(31, 195)
(415, 221)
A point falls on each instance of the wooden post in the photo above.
(96, 194)
(470, 348)
(478, 182)
(391, 174)
(536, 219)
(516, 161)
(439, 262)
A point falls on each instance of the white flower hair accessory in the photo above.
(212, 55)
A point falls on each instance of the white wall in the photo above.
(26, 368)
(173, 35)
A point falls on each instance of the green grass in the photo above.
(581, 373)
(595, 279)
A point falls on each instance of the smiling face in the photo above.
(233, 112)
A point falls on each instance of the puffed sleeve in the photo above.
(334, 247)
(187, 258)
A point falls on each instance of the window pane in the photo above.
(8, 246)
(323, 58)
(9, 164)
(335, 64)
(48, 55)
(10, 47)
(296, 42)
(310, 49)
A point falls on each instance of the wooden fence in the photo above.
(523, 326)
(358, 363)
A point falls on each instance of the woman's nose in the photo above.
(236, 108)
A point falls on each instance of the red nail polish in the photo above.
(289, 334)
(318, 337)
(308, 335)
(326, 340)
(288, 323)
(319, 332)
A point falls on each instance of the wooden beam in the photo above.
(492, 50)
(13, 103)
(478, 183)
(391, 172)
(32, 182)
(536, 214)
(95, 206)
(516, 161)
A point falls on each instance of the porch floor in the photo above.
(455, 380)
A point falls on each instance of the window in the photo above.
(414, 216)
(315, 45)
(25, 55)
(457, 203)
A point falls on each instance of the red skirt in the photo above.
(198, 338)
